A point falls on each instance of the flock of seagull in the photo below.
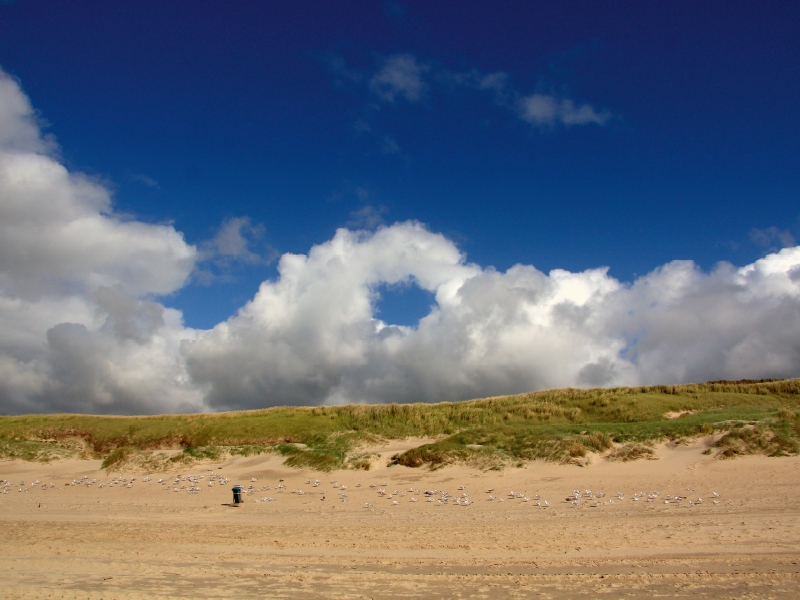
(462, 498)
(596, 499)
(178, 485)
(192, 485)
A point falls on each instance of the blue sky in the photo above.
(567, 135)
(197, 112)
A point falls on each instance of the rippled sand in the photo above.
(147, 542)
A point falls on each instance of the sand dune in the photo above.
(149, 541)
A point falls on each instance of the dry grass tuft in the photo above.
(632, 451)
(757, 438)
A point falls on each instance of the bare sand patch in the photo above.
(676, 414)
(149, 541)
(383, 453)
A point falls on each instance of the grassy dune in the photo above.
(562, 425)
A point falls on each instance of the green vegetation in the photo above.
(563, 425)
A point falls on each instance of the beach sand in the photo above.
(147, 541)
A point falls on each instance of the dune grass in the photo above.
(632, 451)
(562, 425)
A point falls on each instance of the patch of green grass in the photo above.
(247, 450)
(447, 452)
(118, 456)
(564, 425)
(36, 451)
(773, 437)
(133, 458)
(203, 453)
(327, 452)
(496, 449)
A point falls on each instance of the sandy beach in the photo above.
(144, 539)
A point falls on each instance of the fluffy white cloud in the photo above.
(305, 334)
(81, 328)
(77, 328)
(19, 130)
(312, 336)
(683, 325)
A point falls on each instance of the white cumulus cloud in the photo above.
(82, 327)
(312, 335)
(78, 328)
